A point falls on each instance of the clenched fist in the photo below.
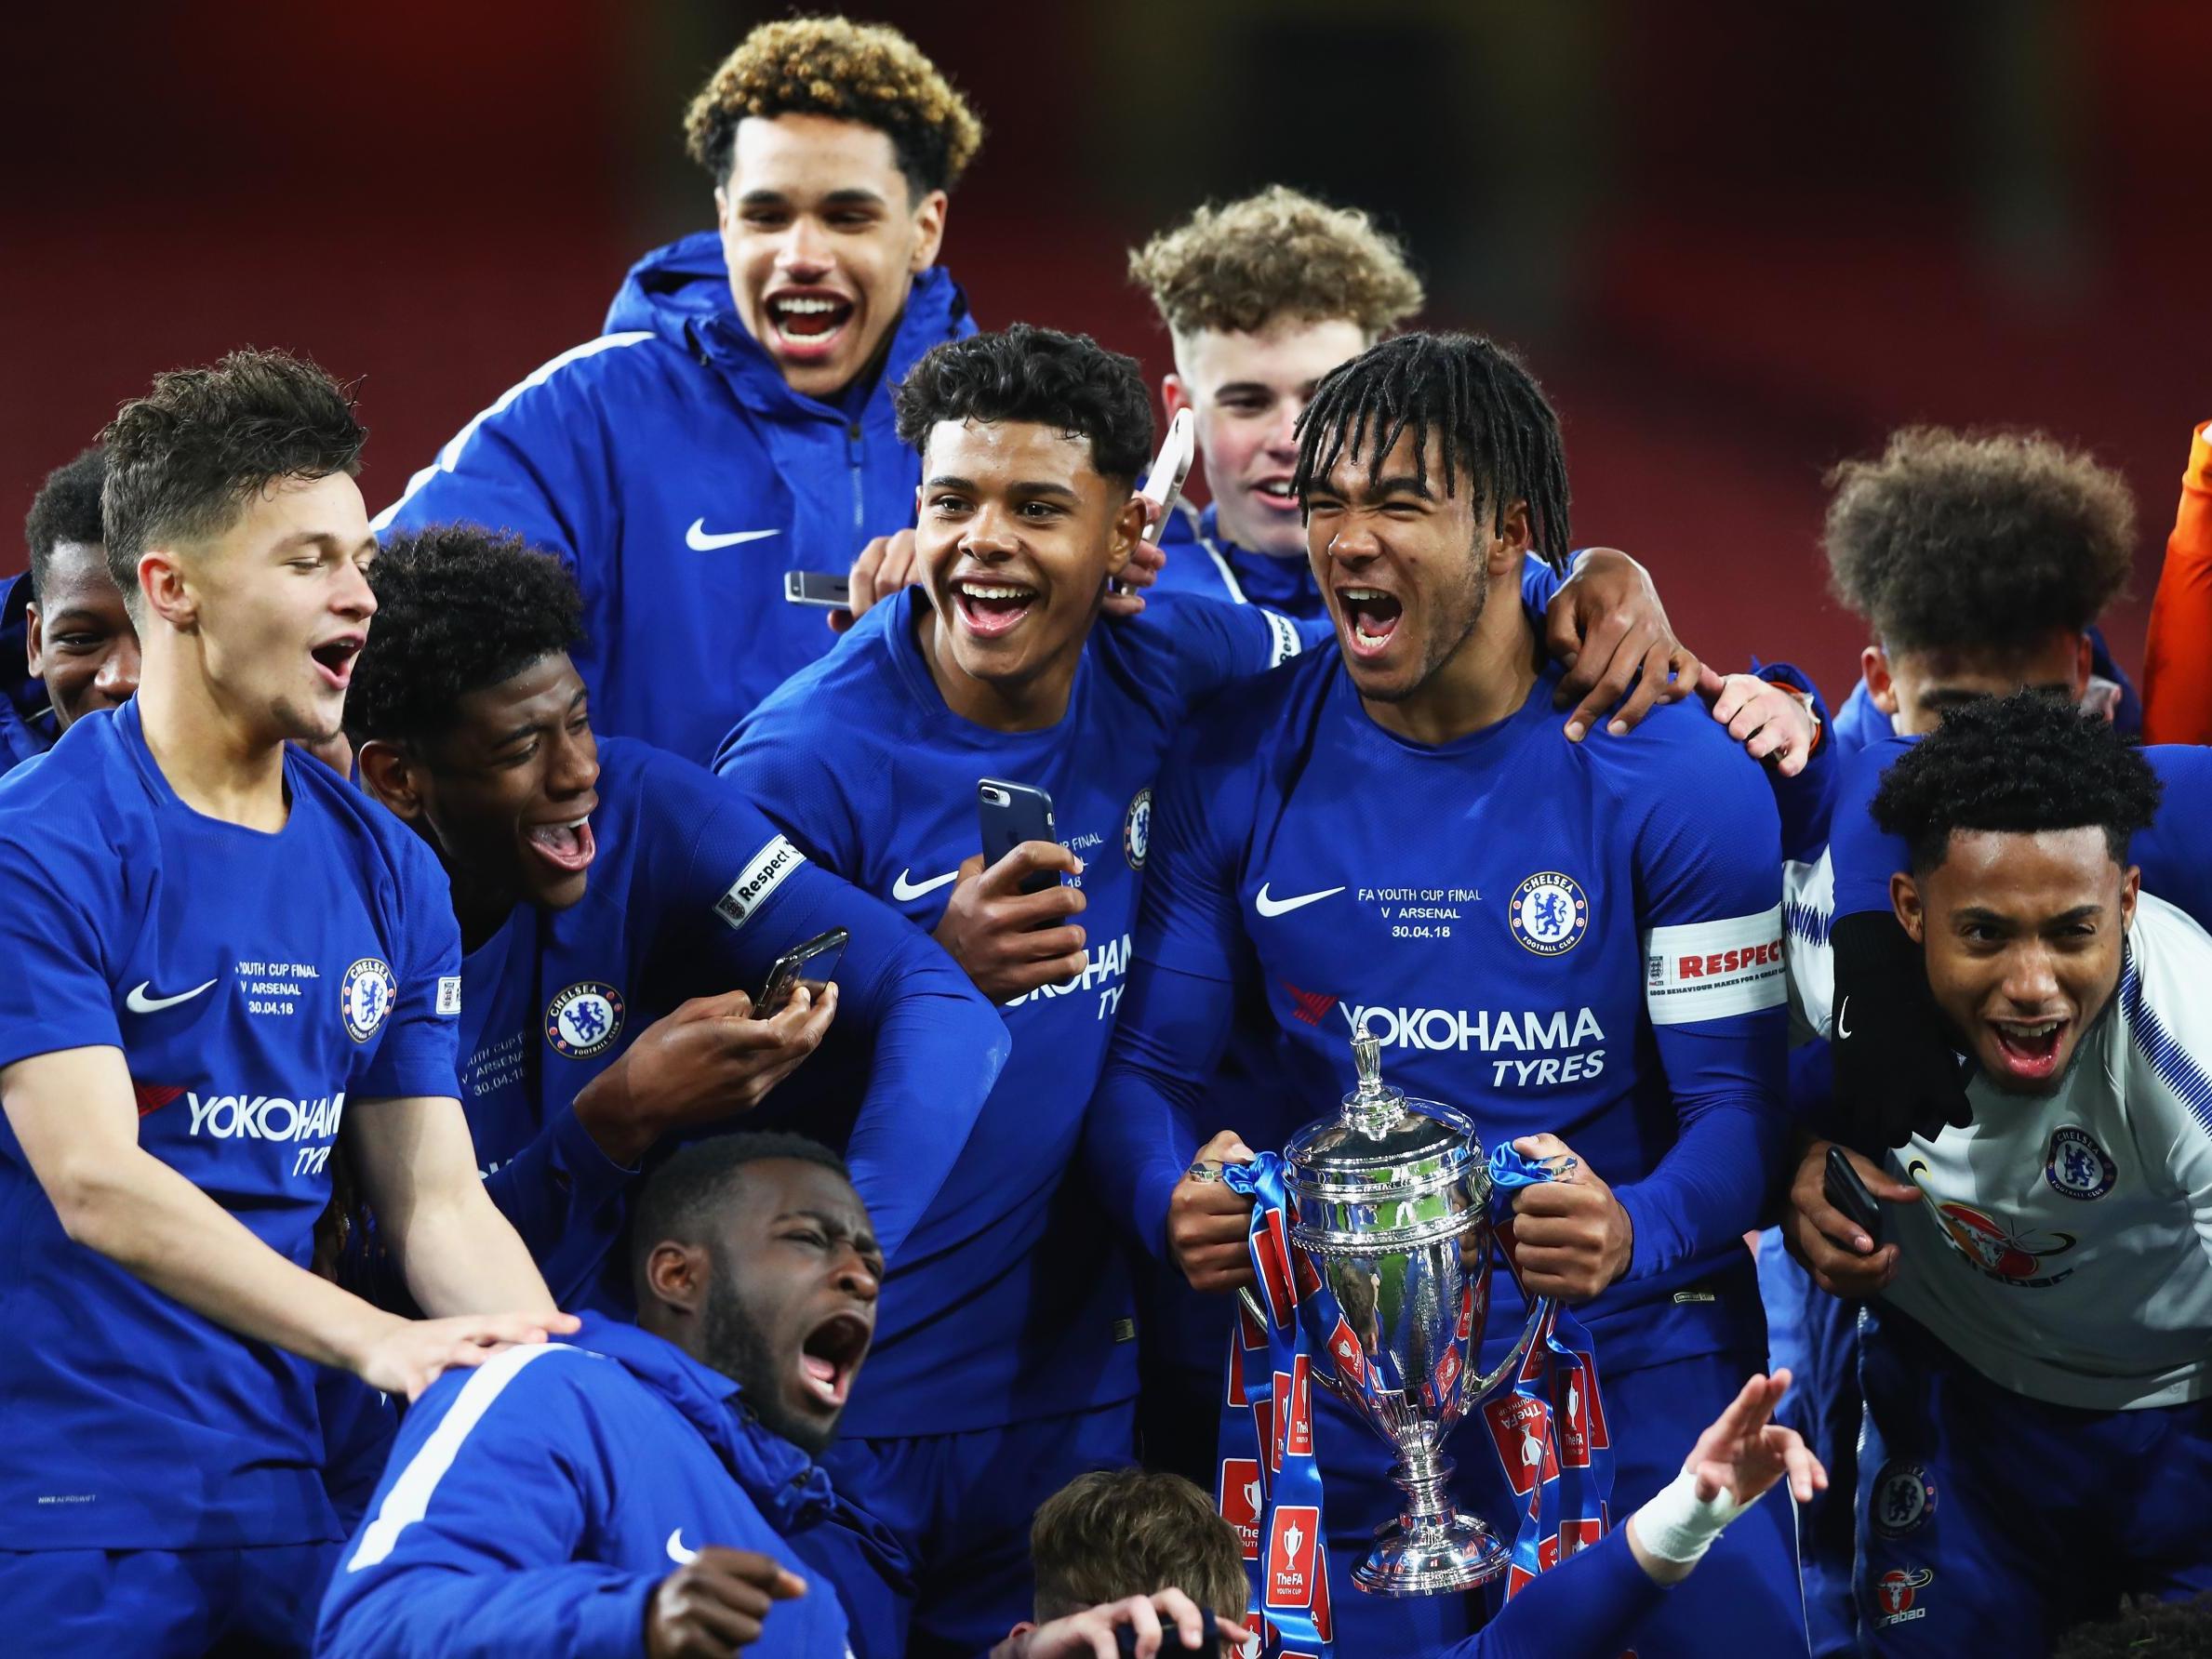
(1573, 1238)
(1207, 1223)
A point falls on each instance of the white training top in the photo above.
(2062, 1245)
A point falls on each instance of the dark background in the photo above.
(1739, 241)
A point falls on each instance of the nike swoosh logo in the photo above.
(676, 1552)
(1843, 1020)
(1283, 907)
(138, 1001)
(903, 889)
(700, 541)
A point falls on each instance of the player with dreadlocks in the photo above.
(2040, 1338)
(1577, 943)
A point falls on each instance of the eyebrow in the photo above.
(1398, 483)
(1028, 486)
(1980, 914)
(862, 1237)
(75, 613)
(527, 727)
(853, 197)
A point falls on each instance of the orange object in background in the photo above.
(2178, 654)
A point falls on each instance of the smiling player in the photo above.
(222, 958)
(619, 910)
(734, 421)
(2043, 1342)
(1575, 942)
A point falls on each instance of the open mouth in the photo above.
(809, 325)
(830, 1356)
(1276, 494)
(2030, 1048)
(991, 609)
(334, 658)
(1370, 617)
(566, 845)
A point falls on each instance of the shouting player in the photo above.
(619, 909)
(221, 956)
(734, 421)
(1577, 943)
(647, 1490)
(66, 643)
(2042, 1345)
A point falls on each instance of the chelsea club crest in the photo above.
(585, 1020)
(366, 994)
(1137, 830)
(1548, 913)
(2076, 1166)
(1904, 1499)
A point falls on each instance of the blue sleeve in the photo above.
(2175, 851)
(1865, 858)
(536, 462)
(1807, 802)
(419, 1055)
(1710, 874)
(561, 1194)
(1141, 1125)
(472, 1538)
(1216, 641)
(54, 935)
(938, 1043)
(1592, 1602)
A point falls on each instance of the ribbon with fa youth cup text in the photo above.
(1549, 1429)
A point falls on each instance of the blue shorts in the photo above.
(1743, 1599)
(962, 1505)
(1991, 1523)
(164, 1603)
(1817, 1337)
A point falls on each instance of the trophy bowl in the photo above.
(1390, 1211)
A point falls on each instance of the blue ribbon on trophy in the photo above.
(1371, 1257)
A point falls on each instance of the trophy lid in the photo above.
(1381, 1142)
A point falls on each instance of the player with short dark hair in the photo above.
(1006, 1366)
(223, 960)
(1577, 943)
(2039, 1339)
(66, 643)
(620, 909)
(650, 1488)
(733, 423)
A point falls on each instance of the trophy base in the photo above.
(1438, 1553)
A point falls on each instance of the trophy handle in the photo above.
(1485, 1386)
(1252, 1305)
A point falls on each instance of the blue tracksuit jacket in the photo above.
(533, 1504)
(679, 475)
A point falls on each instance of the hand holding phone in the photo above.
(1009, 813)
(1163, 487)
(1849, 1194)
(813, 965)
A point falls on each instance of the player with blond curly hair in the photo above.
(733, 422)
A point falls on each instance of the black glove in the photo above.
(1897, 1064)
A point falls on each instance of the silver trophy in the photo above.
(1389, 1210)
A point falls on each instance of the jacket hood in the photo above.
(790, 1489)
(26, 719)
(681, 293)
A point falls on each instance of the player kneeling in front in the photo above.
(647, 1489)
(2041, 1345)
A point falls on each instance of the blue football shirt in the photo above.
(1009, 1303)
(1579, 938)
(259, 986)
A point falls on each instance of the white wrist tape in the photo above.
(1678, 1526)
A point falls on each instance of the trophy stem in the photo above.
(1421, 1473)
(1431, 1547)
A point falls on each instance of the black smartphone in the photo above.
(1010, 813)
(1848, 1193)
(816, 587)
(1125, 1639)
(813, 965)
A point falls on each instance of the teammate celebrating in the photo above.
(1006, 1366)
(1343, 841)
(2043, 1342)
(647, 1490)
(66, 643)
(219, 953)
(734, 422)
(1261, 298)
(619, 910)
